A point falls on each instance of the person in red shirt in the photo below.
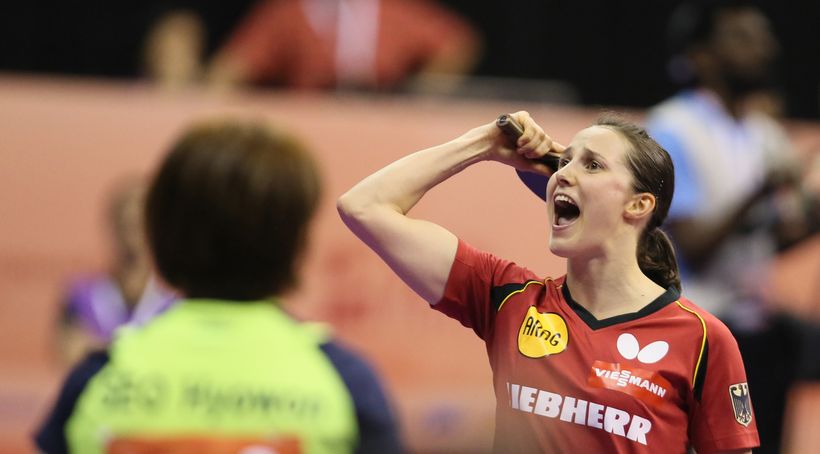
(609, 357)
(326, 44)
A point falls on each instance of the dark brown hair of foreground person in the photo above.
(228, 212)
(653, 172)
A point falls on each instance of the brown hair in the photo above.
(653, 172)
(228, 211)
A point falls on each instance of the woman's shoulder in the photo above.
(716, 330)
(493, 267)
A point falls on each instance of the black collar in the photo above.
(668, 297)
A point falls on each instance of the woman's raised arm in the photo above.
(418, 251)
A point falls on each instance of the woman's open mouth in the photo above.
(566, 210)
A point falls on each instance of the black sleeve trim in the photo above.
(378, 432)
(50, 438)
(701, 377)
(500, 294)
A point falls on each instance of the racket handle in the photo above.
(510, 127)
(514, 130)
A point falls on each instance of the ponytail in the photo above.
(656, 258)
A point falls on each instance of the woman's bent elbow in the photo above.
(352, 211)
(347, 207)
(344, 206)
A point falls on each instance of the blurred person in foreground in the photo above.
(226, 369)
(96, 304)
(358, 44)
(739, 198)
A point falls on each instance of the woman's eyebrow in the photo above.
(595, 155)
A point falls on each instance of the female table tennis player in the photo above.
(607, 358)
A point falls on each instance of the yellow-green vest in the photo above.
(220, 369)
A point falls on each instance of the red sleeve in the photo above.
(721, 417)
(468, 294)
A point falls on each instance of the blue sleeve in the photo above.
(378, 432)
(50, 438)
(688, 194)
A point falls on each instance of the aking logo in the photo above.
(542, 334)
(629, 348)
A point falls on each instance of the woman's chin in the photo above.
(560, 247)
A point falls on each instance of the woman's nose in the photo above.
(563, 176)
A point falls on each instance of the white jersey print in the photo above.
(629, 348)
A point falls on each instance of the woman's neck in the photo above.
(607, 287)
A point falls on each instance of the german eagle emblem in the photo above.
(741, 403)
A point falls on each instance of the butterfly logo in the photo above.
(629, 348)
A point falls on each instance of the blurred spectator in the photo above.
(180, 35)
(174, 48)
(225, 370)
(344, 43)
(738, 197)
(97, 304)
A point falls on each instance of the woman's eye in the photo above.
(593, 165)
(562, 162)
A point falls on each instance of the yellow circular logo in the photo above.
(542, 334)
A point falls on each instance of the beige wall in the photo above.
(63, 143)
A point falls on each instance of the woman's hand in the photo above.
(523, 154)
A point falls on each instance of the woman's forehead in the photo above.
(600, 139)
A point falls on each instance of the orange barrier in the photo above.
(63, 143)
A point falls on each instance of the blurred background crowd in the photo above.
(92, 92)
(592, 52)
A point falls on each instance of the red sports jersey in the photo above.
(665, 378)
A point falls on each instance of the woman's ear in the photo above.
(640, 206)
